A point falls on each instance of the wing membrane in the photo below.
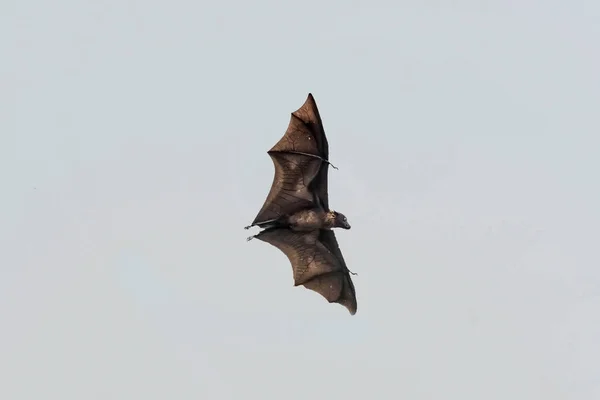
(298, 138)
(309, 115)
(314, 265)
(348, 295)
(290, 190)
(301, 165)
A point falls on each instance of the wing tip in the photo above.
(310, 100)
(351, 305)
(309, 107)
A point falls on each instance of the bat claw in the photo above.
(353, 273)
(249, 238)
(332, 166)
(248, 227)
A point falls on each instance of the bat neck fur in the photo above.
(330, 218)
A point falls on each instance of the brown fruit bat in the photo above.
(296, 217)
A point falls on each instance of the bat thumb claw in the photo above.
(353, 273)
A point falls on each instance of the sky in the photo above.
(133, 139)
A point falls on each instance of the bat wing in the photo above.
(309, 114)
(348, 293)
(315, 266)
(300, 158)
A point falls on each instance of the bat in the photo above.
(296, 217)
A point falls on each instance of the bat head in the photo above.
(340, 220)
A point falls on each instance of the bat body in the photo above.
(296, 217)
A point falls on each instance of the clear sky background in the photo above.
(133, 139)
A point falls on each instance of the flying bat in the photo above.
(296, 217)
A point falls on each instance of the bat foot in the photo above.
(249, 238)
(248, 227)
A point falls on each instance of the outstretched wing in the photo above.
(315, 266)
(300, 160)
(296, 160)
(309, 114)
(348, 297)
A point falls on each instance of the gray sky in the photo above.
(133, 145)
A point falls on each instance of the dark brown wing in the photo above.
(309, 114)
(314, 265)
(294, 172)
(300, 171)
(348, 297)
